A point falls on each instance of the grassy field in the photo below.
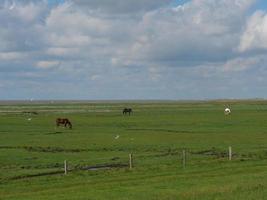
(33, 150)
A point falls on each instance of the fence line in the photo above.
(188, 158)
(230, 153)
(130, 161)
(122, 161)
(184, 158)
(65, 167)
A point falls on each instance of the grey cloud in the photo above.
(19, 27)
(173, 52)
(190, 34)
(122, 6)
(254, 36)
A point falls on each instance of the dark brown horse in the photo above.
(127, 110)
(64, 122)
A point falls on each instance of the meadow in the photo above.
(33, 150)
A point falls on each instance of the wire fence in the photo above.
(179, 158)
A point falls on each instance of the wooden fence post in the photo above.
(230, 153)
(184, 159)
(130, 161)
(65, 167)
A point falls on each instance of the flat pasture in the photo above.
(33, 150)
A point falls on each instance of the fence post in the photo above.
(130, 161)
(65, 167)
(230, 153)
(184, 159)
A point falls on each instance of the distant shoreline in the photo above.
(10, 102)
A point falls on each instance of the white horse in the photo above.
(227, 111)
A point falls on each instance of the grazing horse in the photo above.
(64, 122)
(227, 111)
(127, 110)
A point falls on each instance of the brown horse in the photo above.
(64, 122)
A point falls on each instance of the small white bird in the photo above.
(117, 137)
(29, 119)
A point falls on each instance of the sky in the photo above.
(133, 49)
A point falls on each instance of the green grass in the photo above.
(156, 134)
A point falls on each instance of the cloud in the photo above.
(121, 6)
(189, 34)
(145, 48)
(11, 56)
(63, 52)
(254, 36)
(244, 63)
(47, 64)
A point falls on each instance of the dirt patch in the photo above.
(54, 133)
(53, 149)
(45, 149)
(58, 172)
(36, 175)
(213, 152)
(103, 166)
(159, 130)
(30, 112)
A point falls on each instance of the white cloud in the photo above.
(121, 6)
(12, 56)
(60, 51)
(254, 37)
(95, 77)
(28, 12)
(198, 31)
(241, 64)
(47, 64)
(146, 47)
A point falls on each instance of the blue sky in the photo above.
(261, 4)
(133, 49)
(55, 2)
